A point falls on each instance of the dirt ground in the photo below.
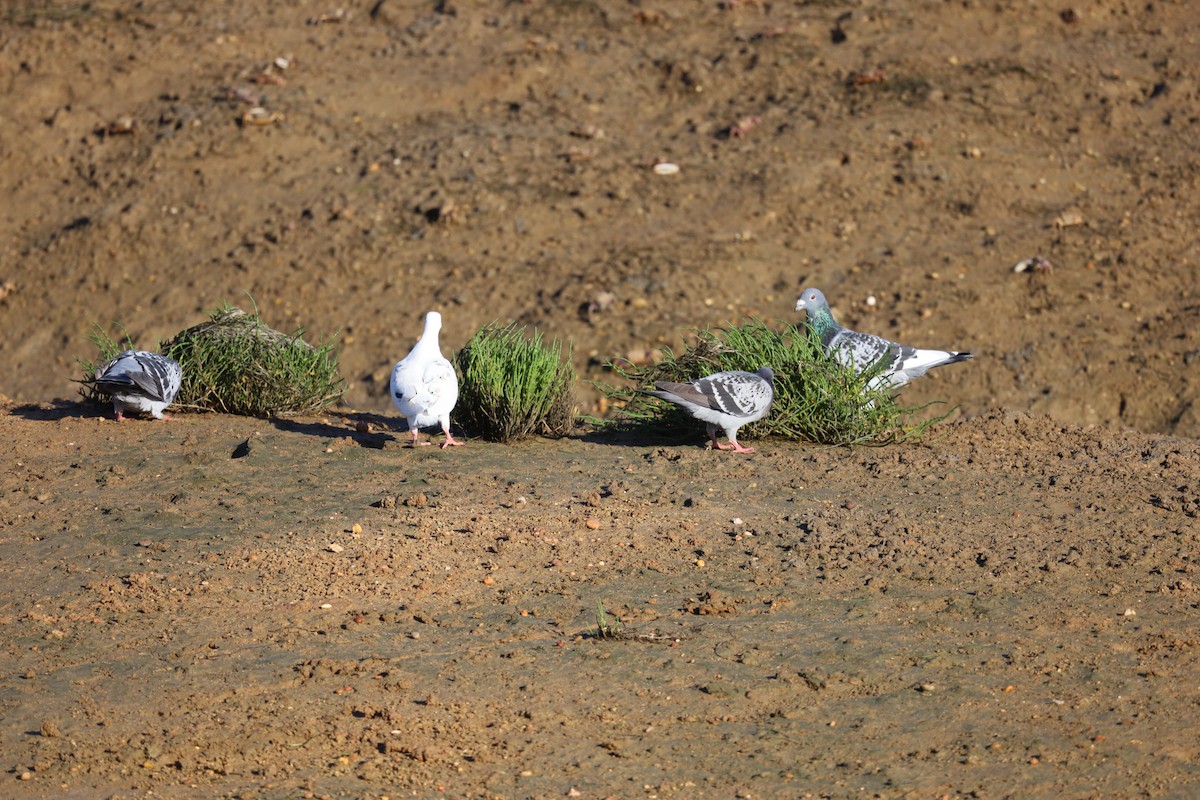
(218, 606)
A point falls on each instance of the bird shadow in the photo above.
(365, 429)
(642, 438)
(60, 409)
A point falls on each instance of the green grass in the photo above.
(816, 399)
(512, 385)
(607, 627)
(235, 364)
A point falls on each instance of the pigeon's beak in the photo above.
(800, 304)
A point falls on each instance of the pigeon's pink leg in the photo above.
(416, 442)
(733, 443)
(712, 434)
(450, 441)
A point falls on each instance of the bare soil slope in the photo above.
(494, 161)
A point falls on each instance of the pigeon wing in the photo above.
(157, 376)
(147, 374)
(439, 384)
(736, 394)
(863, 351)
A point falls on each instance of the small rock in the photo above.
(334, 547)
(50, 730)
(593, 524)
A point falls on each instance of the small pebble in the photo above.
(593, 524)
(356, 528)
(334, 547)
(699, 562)
(666, 168)
(326, 605)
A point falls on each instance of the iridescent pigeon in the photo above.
(727, 399)
(424, 385)
(139, 381)
(896, 364)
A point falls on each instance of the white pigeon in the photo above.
(424, 386)
(139, 381)
(894, 364)
(728, 399)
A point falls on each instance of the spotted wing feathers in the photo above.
(137, 372)
(738, 394)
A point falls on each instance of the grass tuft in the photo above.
(235, 364)
(607, 627)
(816, 399)
(513, 385)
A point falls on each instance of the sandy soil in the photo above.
(226, 607)
(215, 606)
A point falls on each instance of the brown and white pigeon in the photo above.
(424, 385)
(728, 399)
(139, 381)
(895, 364)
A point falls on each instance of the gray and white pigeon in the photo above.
(728, 399)
(424, 385)
(897, 364)
(139, 381)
